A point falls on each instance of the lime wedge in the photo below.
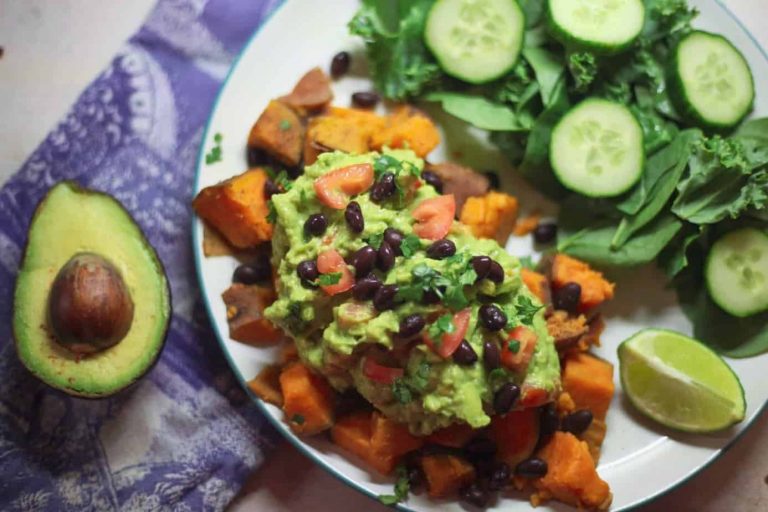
(680, 382)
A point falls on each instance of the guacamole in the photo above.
(336, 334)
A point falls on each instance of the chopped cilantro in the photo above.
(409, 245)
(401, 391)
(527, 262)
(283, 181)
(514, 346)
(297, 419)
(404, 388)
(387, 163)
(215, 154)
(375, 240)
(271, 212)
(329, 279)
(402, 488)
(217, 138)
(443, 325)
(525, 309)
(294, 318)
(497, 377)
(285, 125)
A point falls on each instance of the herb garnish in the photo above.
(214, 155)
(329, 279)
(401, 391)
(375, 240)
(271, 212)
(443, 325)
(410, 244)
(404, 388)
(514, 346)
(402, 488)
(297, 419)
(285, 125)
(525, 309)
(387, 163)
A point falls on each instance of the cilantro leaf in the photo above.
(297, 419)
(401, 391)
(514, 346)
(409, 245)
(329, 279)
(402, 488)
(443, 325)
(525, 309)
(271, 212)
(285, 125)
(527, 262)
(375, 240)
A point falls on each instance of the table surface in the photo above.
(54, 48)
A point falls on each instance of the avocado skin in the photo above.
(160, 272)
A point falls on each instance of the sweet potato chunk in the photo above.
(595, 289)
(567, 330)
(237, 208)
(571, 477)
(279, 132)
(594, 437)
(516, 434)
(446, 474)
(460, 181)
(389, 442)
(409, 128)
(537, 283)
(353, 433)
(589, 381)
(527, 224)
(266, 385)
(307, 400)
(490, 216)
(341, 131)
(311, 93)
(245, 314)
(455, 436)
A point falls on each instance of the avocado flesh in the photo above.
(71, 220)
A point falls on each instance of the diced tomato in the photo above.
(331, 262)
(518, 361)
(532, 397)
(449, 342)
(335, 188)
(434, 217)
(380, 373)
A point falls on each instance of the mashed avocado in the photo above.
(334, 334)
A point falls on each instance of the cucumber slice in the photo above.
(711, 81)
(603, 26)
(476, 40)
(597, 148)
(737, 272)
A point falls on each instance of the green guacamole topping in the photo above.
(334, 334)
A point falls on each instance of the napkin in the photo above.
(186, 436)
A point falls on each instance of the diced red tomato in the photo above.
(533, 397)
(335, 188)
(331, 262)
(380, 373)
(449, 342)
(434, 217)
(518, 361)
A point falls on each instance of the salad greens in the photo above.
(696, 185)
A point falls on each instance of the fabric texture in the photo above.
(186, 436)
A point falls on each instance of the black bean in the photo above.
(568, 297)
(340, 64)
(364, 260)
(474, 495)
(481, 266)
(499, 477)
(493, 179)
(484, 467)
(365, 99)
(270, 189)
(480, 447)
(394, 238)
(430, 297)
(492, 317)
(411, 326)
(532, 468)
(383, 188)
(464, 354)
(315, 224)
(258, 271)
(258, 157)
(549, 421)
(441, 249)
(577, 422)
(433, 179)
(384, 298)
(365, 288)
(491, 355)
(505, 398)
(354, 217)
(307, 270)
(496, 272)
(386, 257)
(545, 233)
(294, 172)
(415, 477)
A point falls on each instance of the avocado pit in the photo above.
(89, 306)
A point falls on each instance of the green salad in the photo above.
(623, 113)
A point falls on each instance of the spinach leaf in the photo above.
(675, 258)
(548, 67)
(534, 12)
(400, 63)
(594, 243)
(480, 112)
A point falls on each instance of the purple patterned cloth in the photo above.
(186, 436)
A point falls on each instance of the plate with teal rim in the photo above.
(640, 460)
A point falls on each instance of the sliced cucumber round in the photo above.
(737, 272)
(476, 40)
(597, 148)
(711, 81)
(603, 26)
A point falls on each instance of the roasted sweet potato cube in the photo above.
(460, 181)
(389, 442)
(589, 381)
(245, 314)
(279, 132)
(490, 216)
(537, 283)
(307, 400)
(237, 208)
(566, 329)
(595, 289)
(515, 434)
(353, 433)
(571, 476)
(454, 436)
(342, 129)
(446, 474)
(311, 93)
(409, 128)
(266, 385)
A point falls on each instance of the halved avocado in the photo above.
(92, 303)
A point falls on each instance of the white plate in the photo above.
(640, 460)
